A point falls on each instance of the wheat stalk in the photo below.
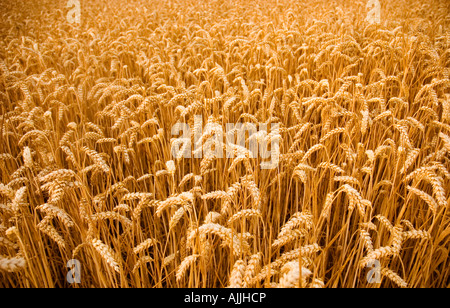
(106, 253)
(185, 264)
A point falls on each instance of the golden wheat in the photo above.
(121, 147)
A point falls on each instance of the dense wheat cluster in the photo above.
(362, 183)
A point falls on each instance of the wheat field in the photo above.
(360, 194)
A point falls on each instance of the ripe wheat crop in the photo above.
(88, 170)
